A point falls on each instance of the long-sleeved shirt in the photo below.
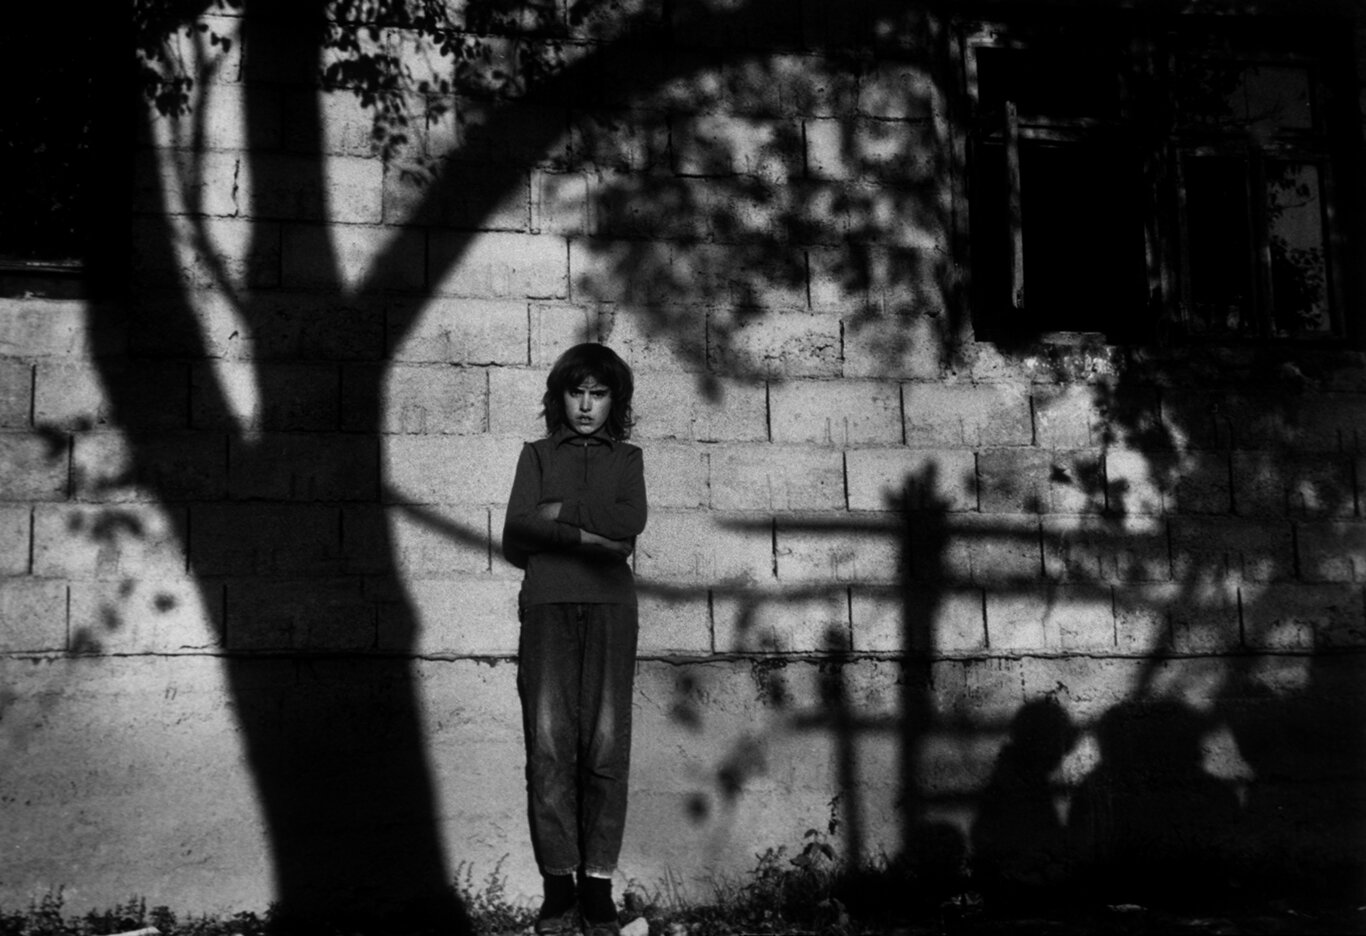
(600, 484)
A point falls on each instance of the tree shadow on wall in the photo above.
(283, 520)
(285, 523)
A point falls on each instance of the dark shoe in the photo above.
(561, 924)
(598, 908)
(560, 912)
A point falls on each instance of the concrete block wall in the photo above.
(866, 555)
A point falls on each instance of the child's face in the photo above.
(587, 405)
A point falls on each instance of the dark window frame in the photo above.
(1144, 122)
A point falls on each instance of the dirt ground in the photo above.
(1138, 921)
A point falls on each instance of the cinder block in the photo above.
(115, 542)
(883, 343)
(32, 615)
(1197, 484)
(302, 327)
(556, 327)
(1298, 616)
(748, 285)
(363, 258)
(244, 252)
(82, 394)
(892, 620)
(1087, 687)
(31, 328)
(916, 255)
(1331, 551)
(1205, 616)
(705, 548)
(427, 540)
(1072, 416)
(676, 474)
(1226, 549)
(1190, 419)
(266, 539)
(430, 399)
(1055, 617)
(223, 61)
(1138, 482)
(967, 415)
(464, 616)
(714, 144)
(192, 182)
(515, 410)
(658, 210)
(839, 280)
(338, 190)
(563, 203)
(16, 538)
(1143, 616)
(32, 467)
(1032, 480)
(142, 615)
(299, 614)
(499, 265)
(838, 548)
(1320, 484)
(288, 396)
(842, 413)
(895, 479)
(466, 470)
(312, 466)
(219, 119)
(1106, 549)
(674, 621)
(896, 91)
(831, 152)
(781, 344)
(803, 84)
(16, 394)
(619, 141)
(807, 620)
(464, 331)
(526, 136)
(982, 549)
(658, 340)
(772, 477)
(630, 271)
(1271, 419)
(903, 155)
(993, 689)
(313, 327)
(679, 406)
(347, 125)
(472, 196)
(171, 466)
(848, 149)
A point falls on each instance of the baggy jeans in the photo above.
(576, 668)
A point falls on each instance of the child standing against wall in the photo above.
(577, 504)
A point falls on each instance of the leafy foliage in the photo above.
(487, 906)
(47, 917)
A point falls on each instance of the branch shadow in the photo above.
(753, 252)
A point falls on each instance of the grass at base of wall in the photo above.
(811, 892)
(808, 892)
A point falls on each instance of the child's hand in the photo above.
(620, 547)
(550, 510)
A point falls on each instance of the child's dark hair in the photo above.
(574, 367)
